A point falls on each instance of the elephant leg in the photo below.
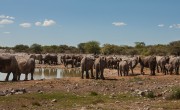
(7, 76)
(19, 76)
(92, 75)
(121, 72)
(157, 68)
(97, 72)
(32, 76)
(82, 76)
(87, 74)
(102, 74)
(26, 77)
(15, 76)
(132, 70)
(118, 71)
(142, 67)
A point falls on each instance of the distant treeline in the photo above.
(93, 47)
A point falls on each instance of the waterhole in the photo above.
(47, 73)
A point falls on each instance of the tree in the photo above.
(139, 44)
(36, 48)
(21, 48)
(81, 47)
(92, 47)
(175, 47)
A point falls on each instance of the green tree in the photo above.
(92, 47)
(81, 47)
(21, 48)
(36, 48)
(175, 47)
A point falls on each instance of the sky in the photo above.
(70, 22)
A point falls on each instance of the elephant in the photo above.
(123, 67)
(132, 63)
(100, 65)
(50, 59)
(168, 68)
(9, 64)
(161, 62)
(86, 65)
(175, 61)
(113, 62)
(38, 57)
(148, 62)
(27, 67)
(69, 61)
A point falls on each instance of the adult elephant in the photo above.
(38, 57)
(86, 65)
(9, 64)
(27, 67)
(123, 68)
(132, 62)
(175, 62)
(161, 62)
(148, 62)
(50, 59)
(100, 65)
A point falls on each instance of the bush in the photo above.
(175, 94)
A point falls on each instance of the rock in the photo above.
(140, 82)
(54, 100)
(19, 92)
(2, 93)
(83, 108)
(141, 93)
(117, 102)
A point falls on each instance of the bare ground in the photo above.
(115, 93)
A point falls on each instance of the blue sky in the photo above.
(70, 22)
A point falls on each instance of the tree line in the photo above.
(93, 47)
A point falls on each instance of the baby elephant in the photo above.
(123, 68)
(27, 67)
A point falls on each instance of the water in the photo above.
(47, 73)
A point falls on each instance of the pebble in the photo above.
(54, 100)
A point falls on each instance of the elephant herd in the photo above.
(167, 64)
(164, 64)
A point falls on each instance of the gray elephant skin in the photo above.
(9, 64)
(148, 62)
(123, 68)
(86, 65)
(27, 67)
(100, 65)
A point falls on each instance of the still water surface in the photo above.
(47, 73)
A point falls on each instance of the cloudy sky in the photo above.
(70, 22)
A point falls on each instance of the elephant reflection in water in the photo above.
(50, 73)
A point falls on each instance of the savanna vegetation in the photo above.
(93, 47)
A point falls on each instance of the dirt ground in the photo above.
(134, 92)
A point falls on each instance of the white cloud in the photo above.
(174, 26)
(6, 21)
(25, 25)
(119, 24)
(38, 23)
(45, 23)
(161, 25)
(6, 17)
(48, 22)
(7, 32)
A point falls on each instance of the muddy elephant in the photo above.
(123, 68)
(27, 67)
(175, 62)
(9, 64)
(148, 62)
(161, 62)
(100, 65)
(86, 65)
